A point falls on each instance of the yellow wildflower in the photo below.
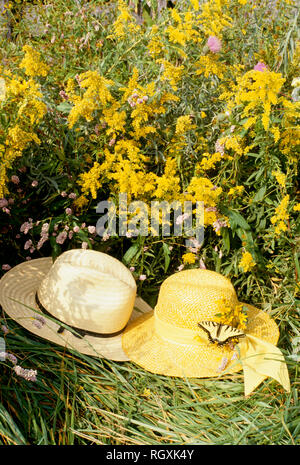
(247, 262)
(235, 316)
(184, 124)
(171, 73)
(32, 63)
(237, 190)
(146, 393)
(168, 185)
(258, 90)
(124, 23)
(90, 181)
(280, 177)
(281, 215)
(189, 258)
(208, 161)
(297, 207)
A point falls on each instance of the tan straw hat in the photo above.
(176, 338)
(89, 292)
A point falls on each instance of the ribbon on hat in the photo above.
(261, 359)
(258, 358)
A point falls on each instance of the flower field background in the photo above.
(193, 100)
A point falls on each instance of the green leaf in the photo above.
(226, 238)
(166, 251)
(260, 194)
(131, 253)
(236, 219)
(64, 107)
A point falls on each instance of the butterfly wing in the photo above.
(220, 334)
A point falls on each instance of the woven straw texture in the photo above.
(185, 299)
(17, 297)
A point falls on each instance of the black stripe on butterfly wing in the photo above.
(237, 334)
(206, 325)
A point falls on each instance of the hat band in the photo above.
(79, 332)
(177, 335)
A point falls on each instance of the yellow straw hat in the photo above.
(169, 340)
(89, 292)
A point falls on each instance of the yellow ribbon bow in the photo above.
(261, 359)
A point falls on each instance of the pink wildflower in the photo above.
(84, 245)
(39, 321)
(142, 277)
(15, 179)
(25, 227)
(63, 194)
(63, 95)
(260, 66)
(76, 229)
(223, 364)
(132, 268)
(3, 203)
(6, 267)
(91, 229)
(72, 195)
(29, 375)
(202, 264)
(45, 228)
(34, 183)
(214, 44)
(5, 329)
(61, 237)
(27, 244)
(68, 211)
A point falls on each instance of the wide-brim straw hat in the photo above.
(169, 341)
(82, 301)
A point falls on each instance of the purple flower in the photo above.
(25, 227)
(12, 358)
(8, 356)
(260, 66)
(39, 321)
(3, 203)
(29, 375)
(6, 267)
(214, 44)
(28, 244)
(223, 364)
(61, 237)
(5, 329)
(15, 179)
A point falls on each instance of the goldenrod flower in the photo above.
(189, 258)
(247, 262)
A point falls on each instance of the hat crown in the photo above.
(89, 290)
(191, 296)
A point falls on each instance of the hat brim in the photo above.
(17, 297)
(150, 351)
